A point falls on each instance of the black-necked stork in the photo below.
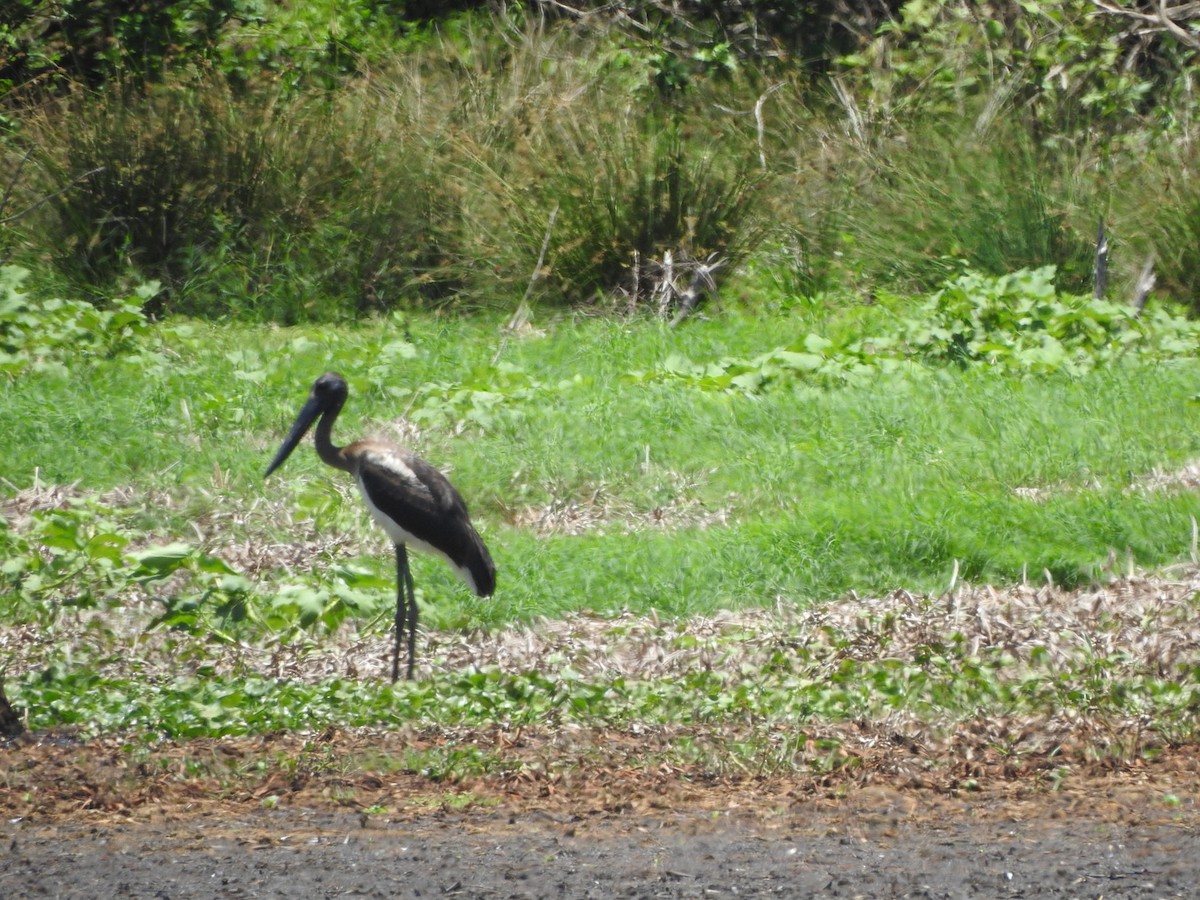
(411, 500)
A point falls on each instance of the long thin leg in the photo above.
(412, 619)
(403, 589)
(406, 614)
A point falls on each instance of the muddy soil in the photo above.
(850, 853)
(102, 820)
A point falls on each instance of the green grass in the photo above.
(889, 481)
(868, 487)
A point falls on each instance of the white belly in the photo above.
(401, 536)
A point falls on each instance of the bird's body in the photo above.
(417, 506)
(414, 503)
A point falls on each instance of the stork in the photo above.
(408, 498)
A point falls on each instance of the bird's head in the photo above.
(327, 395)
(329, 391)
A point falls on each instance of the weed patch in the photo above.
(1017, 323)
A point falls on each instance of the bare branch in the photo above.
(1143, 286)
(13, 181)
(1167, 18)
(49, 197)
(758, 120)
(665, 289)
(520, 318)
(702, 283)
(1101, 268)
(853, 113)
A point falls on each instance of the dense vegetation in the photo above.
(316, 161)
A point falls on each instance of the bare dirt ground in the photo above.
(240, 818)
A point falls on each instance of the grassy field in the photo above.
(155, 584)
(605, 491)
(598, 487)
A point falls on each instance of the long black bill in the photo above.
(303, 422)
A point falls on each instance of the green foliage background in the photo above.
(323, 161)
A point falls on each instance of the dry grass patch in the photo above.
(1141, 624)
(1153, 623)
(1185, 478)
(18, 509)
(601, 511)
(242, 533)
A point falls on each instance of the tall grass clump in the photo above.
(942, 195)
(627, 190)
(984, 134)
(573, 154)
(432, 176)
(242, 202)
(165, 168)
(585, 160)
(1158, 217)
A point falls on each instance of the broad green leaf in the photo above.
(159, 562)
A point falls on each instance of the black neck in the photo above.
(329, 453)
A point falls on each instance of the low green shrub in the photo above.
(43, 334)
(1018, 323)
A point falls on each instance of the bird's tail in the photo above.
(477, 567)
